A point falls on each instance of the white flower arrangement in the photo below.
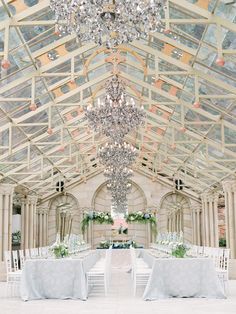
(60, 249)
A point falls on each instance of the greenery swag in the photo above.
(99, 217)
(143, 217)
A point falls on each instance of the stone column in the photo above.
(45, 228)
(26, 224)
(210, 219)
(196, 221)
(42, 226)
(205, 228)
(29, 221)
(6, 195)
(22, 202)
(229, 187)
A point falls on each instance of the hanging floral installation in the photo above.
(143, 217)
(98, 217)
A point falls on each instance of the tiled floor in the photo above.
(119, 301)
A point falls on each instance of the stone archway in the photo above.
(175, 215)
(53, 215)
(136, 202)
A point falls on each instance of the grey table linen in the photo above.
(56, 278)
(183, 277)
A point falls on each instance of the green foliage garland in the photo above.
(143, 217)
(99, 217)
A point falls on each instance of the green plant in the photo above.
(16, 237)
(60, 250)
(222, 242)
(143, 217)
(179, 251)
(99, 217)
(104, 245)
(124, 245)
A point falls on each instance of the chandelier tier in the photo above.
(117, 154)
(116, 116)
(118, 21)
(119, 185)
(118, 173)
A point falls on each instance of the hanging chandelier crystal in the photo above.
(119, 191)
(117, 154)
(119, 185)
(118, 21)
(116, 116)
(118, 173)
(120, 208)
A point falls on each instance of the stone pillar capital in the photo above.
(229, 185)
(42, 209)
(19, 199)
(204, 197)
(213, 196)
(196, 208)
(6, 188)
(32, 199)
(210, 196)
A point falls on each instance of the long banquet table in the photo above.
(181, 277)
(56, 278)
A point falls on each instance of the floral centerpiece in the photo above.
(60, 249)
(117, 245)
(99, 217)
(179, 250)
(142, 217)
(104, 244)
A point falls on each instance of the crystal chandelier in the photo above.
(118, 21)
(117, 154)
(116, 116)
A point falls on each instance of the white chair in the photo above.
(140, 271)
(22, 259)
(222, 267)
(15, 262)
(27, 254)
(99, 274)
(34, 252)
(13, 277)
(138, 260)
(43, 251)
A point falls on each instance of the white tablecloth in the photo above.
(56, 278)
(182, 277)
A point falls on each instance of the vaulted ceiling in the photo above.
(190, 129)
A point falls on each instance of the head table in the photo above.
(63, 278)
(181, 277)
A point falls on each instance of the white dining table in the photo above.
(63, 278)
(182, 278)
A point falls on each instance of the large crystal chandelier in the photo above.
(118, 21)
(116, 116)
(117, 154)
